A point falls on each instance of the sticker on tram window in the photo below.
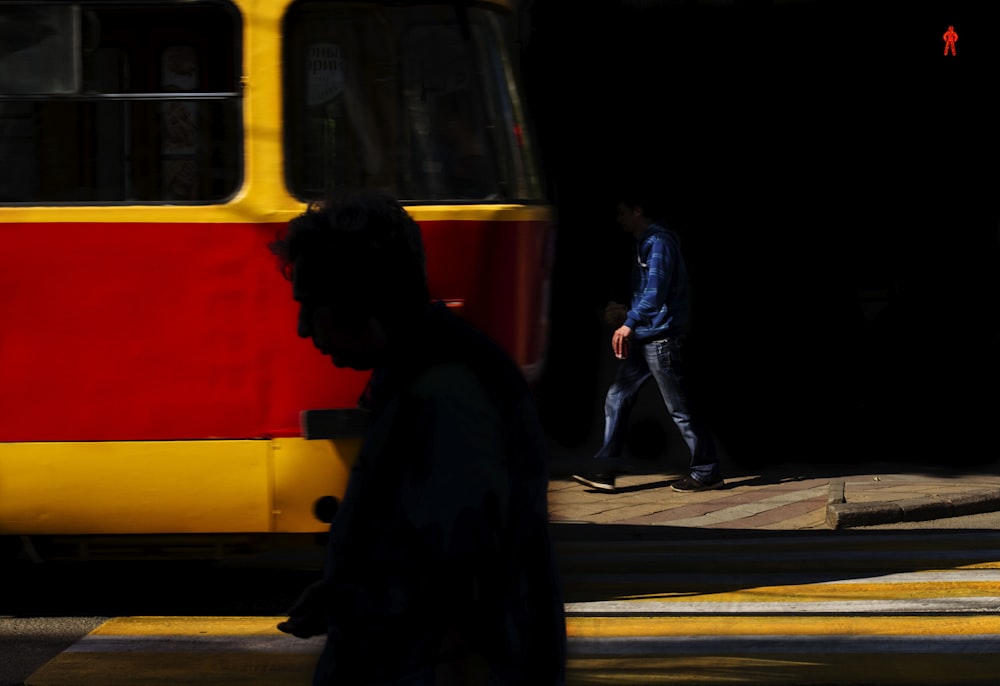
(325, 72)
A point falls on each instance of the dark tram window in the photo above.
(119, 102)
(419, 101)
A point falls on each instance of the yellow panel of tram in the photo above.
(171, 487)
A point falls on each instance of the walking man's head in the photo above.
(638, 207)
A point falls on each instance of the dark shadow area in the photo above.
(622, 91)
(695, 562)
(834, 179)
(702, 565)
(143, 587)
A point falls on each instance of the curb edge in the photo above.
(841, 514)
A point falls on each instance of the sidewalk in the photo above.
(781, 497)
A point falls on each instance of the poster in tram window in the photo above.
(39, 49)
(325, 73)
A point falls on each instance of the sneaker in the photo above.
(602, 482)
(691, 485)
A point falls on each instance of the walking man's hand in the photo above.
(619, 341)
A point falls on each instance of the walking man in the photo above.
(648, 341)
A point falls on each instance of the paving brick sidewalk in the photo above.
(782, 497)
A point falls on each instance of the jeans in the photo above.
(661, 361)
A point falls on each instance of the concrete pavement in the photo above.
(781, 497)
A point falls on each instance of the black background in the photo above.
(811, 153)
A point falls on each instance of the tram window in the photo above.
(419, 101)
(128, 102)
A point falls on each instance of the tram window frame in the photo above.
(154, 114)
(396, 152)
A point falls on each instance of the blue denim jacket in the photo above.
(660, 298)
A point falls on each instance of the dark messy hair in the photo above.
(644, 193)
(366, 245)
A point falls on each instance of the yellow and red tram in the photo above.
(151, 381)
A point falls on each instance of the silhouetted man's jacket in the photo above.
(440, 552)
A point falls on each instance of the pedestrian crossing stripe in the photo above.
(216, 630)
(579, 588)
(186, 626)
(786, 670)
(953, 606)
(758, 626)
(198, 634)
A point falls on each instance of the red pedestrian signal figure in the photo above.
(949, 40)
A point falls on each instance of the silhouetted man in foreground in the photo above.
(440, 568)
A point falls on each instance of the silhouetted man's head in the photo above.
(358, 271)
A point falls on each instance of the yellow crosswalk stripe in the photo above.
(187, 626)
(795, 625)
